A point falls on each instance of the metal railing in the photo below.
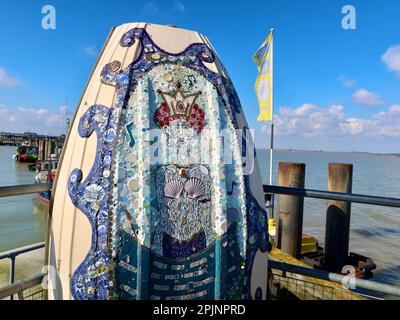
(13, 254)
(28, 289)
(292, 283)
(22, 285)
(351, 281)
(338, 196)
(10, 191)
(291, 286)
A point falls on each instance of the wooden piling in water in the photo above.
(337, 229)
(43, 154)
(39, 144)
(51, 148)
(56, 150)
(48, 155)
(44, 149)
(290, 209)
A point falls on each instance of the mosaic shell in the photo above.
(194, 188)
(173, 189)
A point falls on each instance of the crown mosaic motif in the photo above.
(180, 106)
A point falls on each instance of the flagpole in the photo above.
(272, 123)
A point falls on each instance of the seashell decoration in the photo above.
(204, 170)
(173, 189)
(194, 188)
(100, 117)
(94, 192)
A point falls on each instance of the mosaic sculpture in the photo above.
(170, 217)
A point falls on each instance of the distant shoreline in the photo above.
(323, 151)
(313, 151)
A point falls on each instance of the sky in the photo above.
(336, 89)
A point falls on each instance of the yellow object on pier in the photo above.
(272, 227)
(309, 244)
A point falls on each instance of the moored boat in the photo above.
(45, 173)
(26, 154)
(43, 198)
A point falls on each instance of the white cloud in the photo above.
(348, 83)
(391, 58)
(179, 6)
(39, 120)
(150, 7)
(310, 127)
(393, 110)
(367, 98)
(387, 123)
(309, 121)
(8, 81)
(91, 51)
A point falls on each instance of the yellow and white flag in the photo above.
(264, 83)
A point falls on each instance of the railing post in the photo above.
(337, 230)
(12, 272)
(12, 269)
(49, 173)
(290, 208)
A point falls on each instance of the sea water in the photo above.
(374, 230)
(22, 220)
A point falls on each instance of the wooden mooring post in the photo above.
(337, 232)
(40, 149)
(56, 150)
(290, 209)
(45, 149)
(49, 149)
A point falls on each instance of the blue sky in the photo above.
(335, 89)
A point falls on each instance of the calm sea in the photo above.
(22, 220)
(375, 231)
